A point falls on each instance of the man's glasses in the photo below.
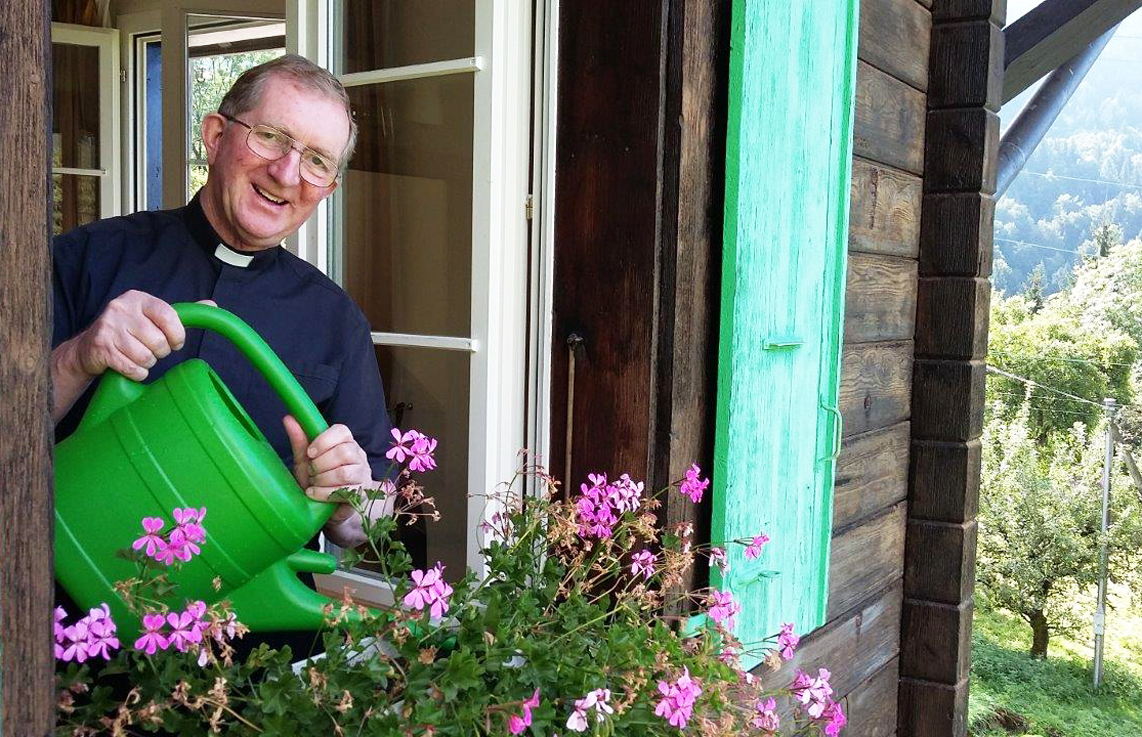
(271, 144)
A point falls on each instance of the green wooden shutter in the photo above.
(789, 150)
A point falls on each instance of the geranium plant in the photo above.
(562, 634)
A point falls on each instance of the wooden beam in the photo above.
(28, 706)
(1053, 32)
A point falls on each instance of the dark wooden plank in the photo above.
(953, 11)
(884, 216)
(926, 708)
(1053, 32)
(894, 37)
(936, 641)
(943, 556)
(865, 558)
(963, 148)
(853, 646)
(889, 123)
(957, 232)
(876, 385)
(872, 474)
(607, 183)
(880, 298)
(28, 706)
(962, 68)
(944, 477)
(952, 313)
(948, 399)
(871, 706)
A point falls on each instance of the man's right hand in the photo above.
(133, 333)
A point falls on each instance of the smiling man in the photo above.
(276, 148)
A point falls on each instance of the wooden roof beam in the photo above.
(1052, 33)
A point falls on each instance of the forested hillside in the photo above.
(1081, 190)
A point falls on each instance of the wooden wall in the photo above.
(861, 641)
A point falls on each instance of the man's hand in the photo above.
(332, 461)
(133, 333)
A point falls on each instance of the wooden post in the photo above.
(27, 706)
(962, 137)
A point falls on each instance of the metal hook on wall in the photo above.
(574, 342)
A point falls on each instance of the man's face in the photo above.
(254, 203)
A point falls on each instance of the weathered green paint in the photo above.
(789, 151)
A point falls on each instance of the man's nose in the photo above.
(287, 169)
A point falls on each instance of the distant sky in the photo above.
(1122, 56)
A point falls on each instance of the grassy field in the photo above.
(1012, 693)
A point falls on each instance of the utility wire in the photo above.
(1037, 245)
(1080, 179)
(1030, 382)
(1067, 359)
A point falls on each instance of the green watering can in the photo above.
(184, 441)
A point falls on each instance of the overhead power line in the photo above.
(1066, 359)
(1037, 245)
(1080, 179)
(1044, 387)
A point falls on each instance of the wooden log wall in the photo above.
(28, 699)
(964, 94)
(861, 641)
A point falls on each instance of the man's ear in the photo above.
(213, 126)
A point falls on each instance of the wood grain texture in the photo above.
(957, 232)
(876, 385)
(944, 561)
(945, 478)
(26, 508)
(962, 152)
(962, 72)
(788, 161)
(871, 706)
(889, 126)
(894, 37)
(880, 299)
(948, 399)
(885, 213)
(927, 709)
(865, 558)
(953, 313)
(872, 474)
(936, 641)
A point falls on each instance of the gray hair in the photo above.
(246, 93)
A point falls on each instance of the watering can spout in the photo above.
(276, 599)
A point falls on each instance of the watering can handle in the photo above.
(259, 353)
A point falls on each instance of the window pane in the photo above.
(75, 201)
(75, 106)
(378, 34)
(427, 390)
(407, 206)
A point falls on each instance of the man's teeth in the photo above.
(268, 196)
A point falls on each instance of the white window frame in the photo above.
(501, 386)
(106, 40)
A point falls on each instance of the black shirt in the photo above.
(310, 322)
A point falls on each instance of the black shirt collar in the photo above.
(207, 238)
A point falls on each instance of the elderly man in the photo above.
(276, 148)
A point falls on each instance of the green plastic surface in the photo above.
(185, 441)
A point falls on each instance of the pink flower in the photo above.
(753, 550)
(150, 538)
(75, 642)
(813, 693)
(422, 450)
(429, 590)
(190, 523)
(678, 699)
(643, 562)
(625, 495)
(90, 636)
(723, 608)
(517, 723)
(399, 451)
(718, 558)
(152, 638)
(834, 718)
(787, 641)
(766, 718)
(101, 632)
(596, 515)
(184, 630)
(597, 700)
(692, 485)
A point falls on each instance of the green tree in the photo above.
(1039, 525)
(1036, 287)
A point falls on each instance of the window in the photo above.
(85, 125)
(428, 231)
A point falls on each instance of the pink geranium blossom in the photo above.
(718, 558)
(598, 701)
(184, 630)
(429, 590)
(190, 523)
(753, 550)
(787, 641)
(90, 636)
(517, 723)
(678, 698)
(813, 693)
(151, 539)
(723, 608)
(624, 495)
(643, 562)
(693, 486)
(766, 718)
(834, 719)
(152, 638)
(414, 446)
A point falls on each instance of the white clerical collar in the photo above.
(228, 255)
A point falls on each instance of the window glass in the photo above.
(392, 33)
(406, 248)
(75, 106)
(75, 201)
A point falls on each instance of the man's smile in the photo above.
(267, 196)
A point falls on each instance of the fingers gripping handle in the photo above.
(263, 358)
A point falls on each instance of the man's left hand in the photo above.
(332, 461)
